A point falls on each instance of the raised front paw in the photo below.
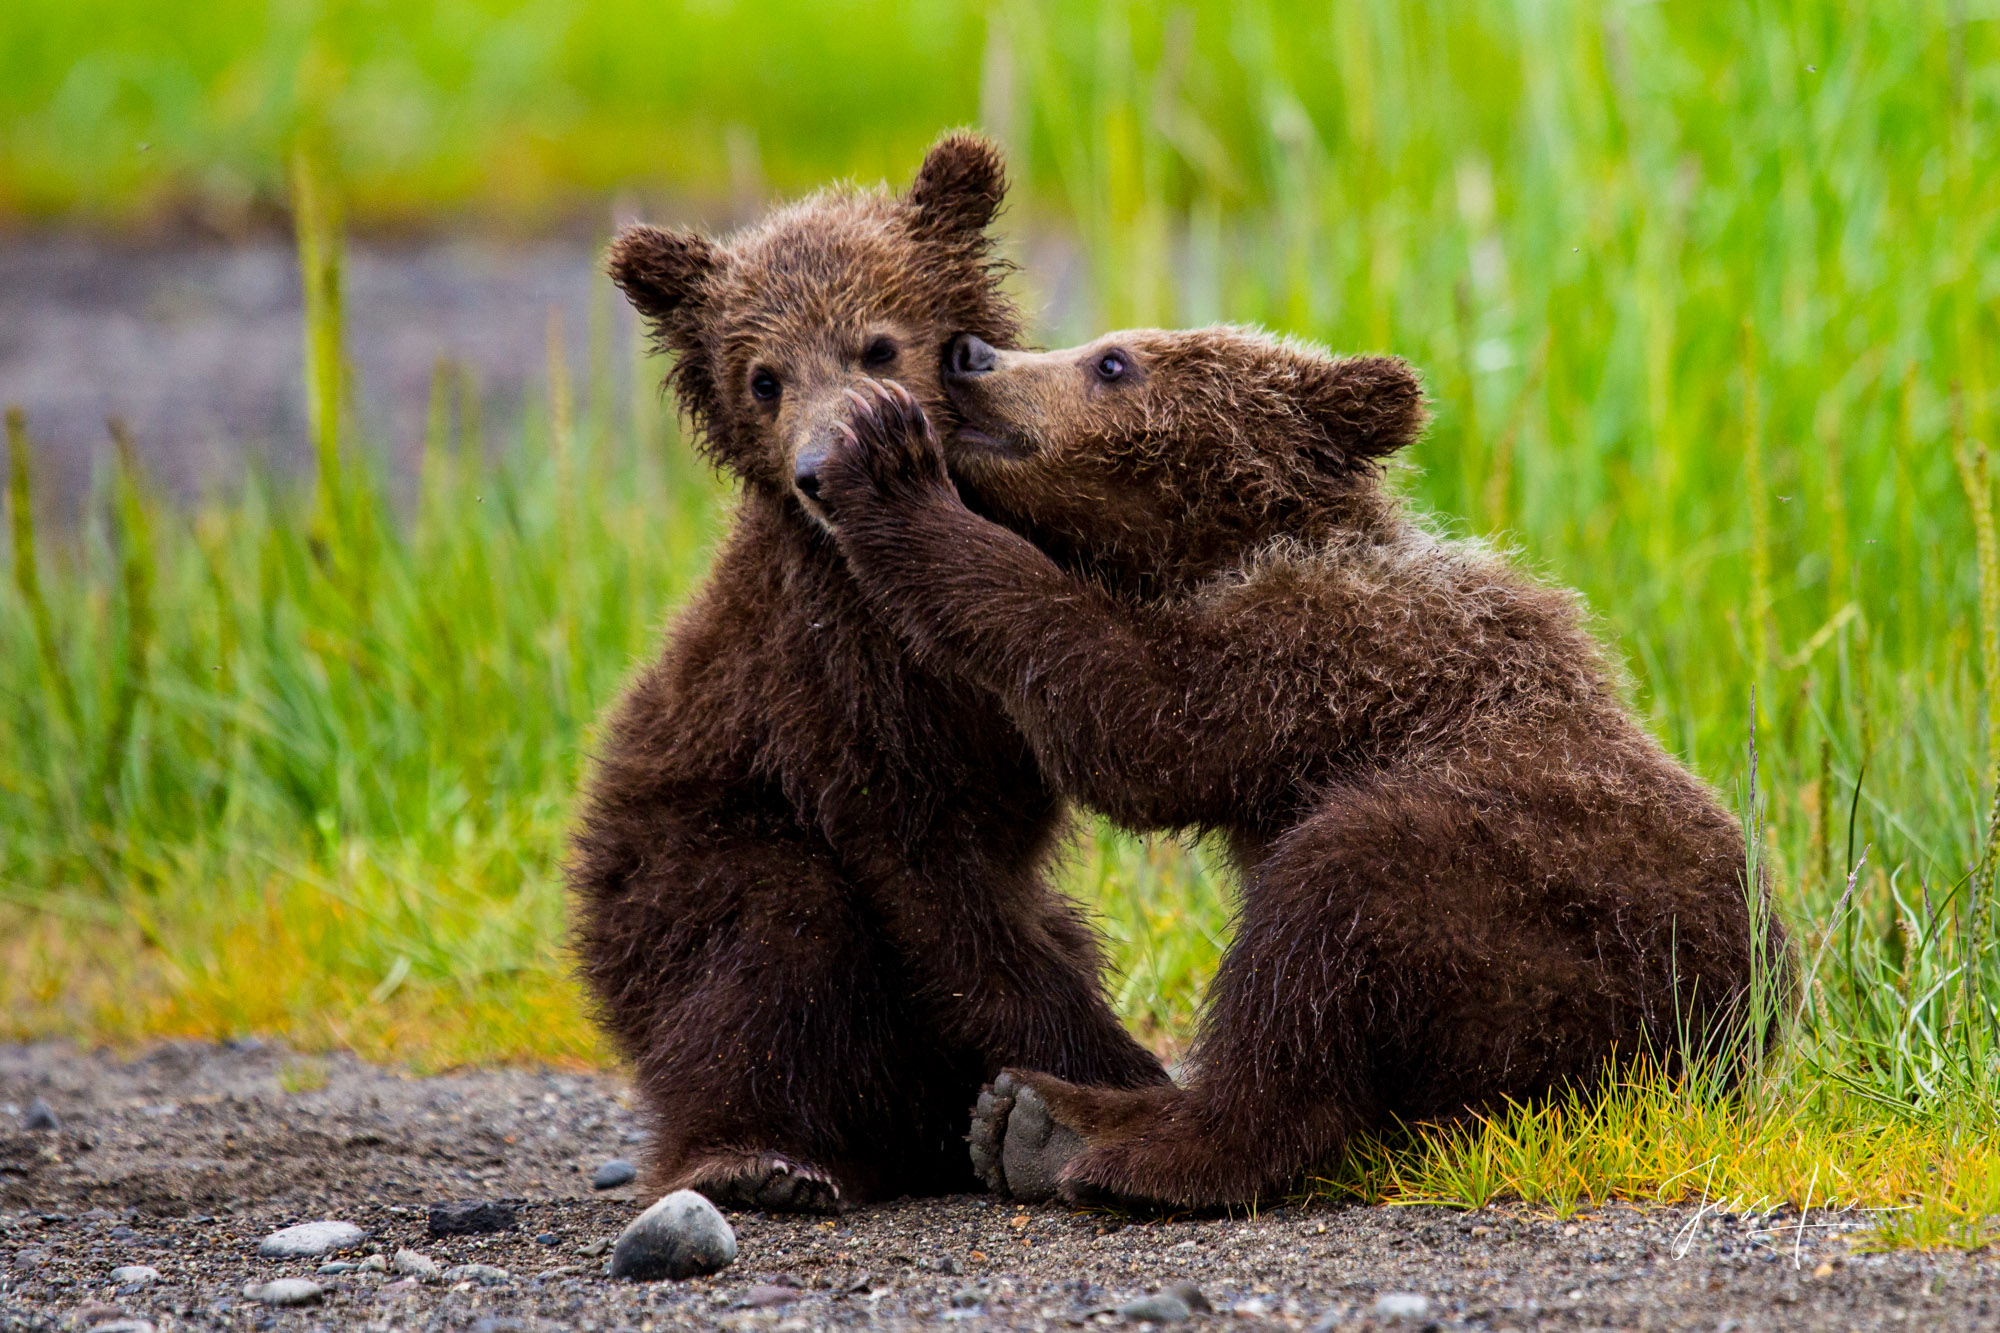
(1018, 1148)
(888, 451)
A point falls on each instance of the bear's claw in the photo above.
(890, 439)
(989, 1131)
(1018, 1148)
(768, 1181)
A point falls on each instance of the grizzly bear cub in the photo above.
(811, 872)
(1468, 874)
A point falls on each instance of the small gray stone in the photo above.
(335, 1267)
(131, 1273)
(40, 1115)
(968, 1298)
(309, 1240)
(124, 1324)
(1190, 1295)
(1160, 1308)
(374, 1263)
(284, 1291)
(411, 1264)
(486, 1275)
(470, 1217)
(612, 1174)
(766, 1295)
(599, 1246)
(1402, 1305)
(681, 1236)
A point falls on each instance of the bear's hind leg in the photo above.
(775, 1044)
(1408, 952)
(1037, 1137)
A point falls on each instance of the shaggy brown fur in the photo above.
(810, 874)
(1468, 873)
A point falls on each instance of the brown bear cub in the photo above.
(811, 872)
(1468, 874)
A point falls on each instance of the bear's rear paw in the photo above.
(768, 1181)
(1018, 1148)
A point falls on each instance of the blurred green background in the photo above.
(1705, 296)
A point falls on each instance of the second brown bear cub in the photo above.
(1468, 874)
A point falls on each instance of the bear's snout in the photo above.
(805, 470)
(969, 355)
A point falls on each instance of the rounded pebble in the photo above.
(284, 1291)
(1191, 1296)
(310, 1239)
(40, 1115)
(612, 1174)
(470, 1217)
(1160, 1308)
(1402, 1305)
(548, 1238)
(124, 1325)
(484, 1274)
(130, 1273)
(420, 1266)
(374, 1263)
(681, 1236)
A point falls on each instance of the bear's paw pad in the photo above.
(1018, 1148)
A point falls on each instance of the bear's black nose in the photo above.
(969, 355)
(805, 472)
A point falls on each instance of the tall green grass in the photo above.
(1706, 305)
(113, 108)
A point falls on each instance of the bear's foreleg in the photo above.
(1153, 714)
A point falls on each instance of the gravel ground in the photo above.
(183, 1159)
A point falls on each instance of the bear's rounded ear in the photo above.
(661, 272)
(1367, 406)
(959, 187)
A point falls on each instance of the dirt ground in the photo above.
(184, 1158)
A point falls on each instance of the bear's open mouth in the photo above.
(980, 439)
(973, 444)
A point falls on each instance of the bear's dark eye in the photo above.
(764, 386)
(1110, 366)
(880, 353)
